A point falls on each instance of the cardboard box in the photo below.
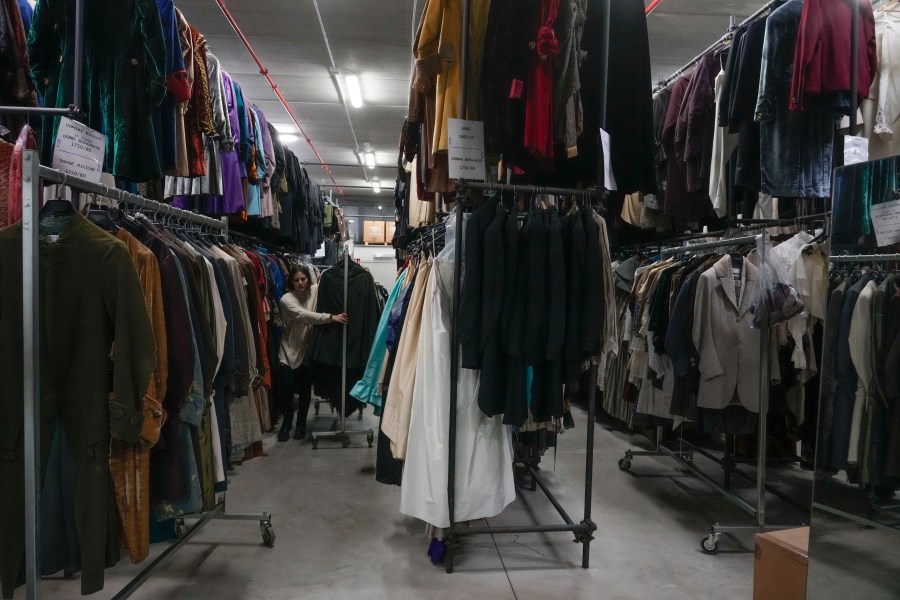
(391, 227)
(373, 232)
(780, 565)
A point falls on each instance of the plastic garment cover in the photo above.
(484, 478)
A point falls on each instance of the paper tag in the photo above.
(466, 149)
(886, 221)
(856, 149)
(52, 238)
(245, 280)
(608, 176)
(79, 150)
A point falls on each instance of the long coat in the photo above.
(91, 327)
(124, 76)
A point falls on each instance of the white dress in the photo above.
(484, 477)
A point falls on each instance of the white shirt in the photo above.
(299, 317)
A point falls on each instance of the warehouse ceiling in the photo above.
(372, 40)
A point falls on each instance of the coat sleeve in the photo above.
(154, 56)
(134, 351)
(42, 40)
(702, 333)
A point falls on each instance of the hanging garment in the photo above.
(484, 478)
(797, 147)
(368, 389)
(125, 47)
(76, 366)
(882, 109)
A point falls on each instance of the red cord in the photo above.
(265, 73)
(651, 6)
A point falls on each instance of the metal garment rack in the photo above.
(873, 508)
(343, 434)
(684, 454)
(32, 175)
(584, 530)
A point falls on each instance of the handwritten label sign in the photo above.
(466, 142)
(886, 220)
(79, 150)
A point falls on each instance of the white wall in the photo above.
(380, 261)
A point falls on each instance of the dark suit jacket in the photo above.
(471, 298)
(83, 320)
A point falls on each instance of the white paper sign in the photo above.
(466, 142)
(886, 220)
(79, 150)
(856, 149)
(608, 176)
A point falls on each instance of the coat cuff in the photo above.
(179, 86)
(125, 423)
(154, 418)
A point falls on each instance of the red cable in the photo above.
(651, 6)
(265, 73)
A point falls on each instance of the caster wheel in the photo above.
(370, 439)
(180, 529)
(624, 464)
(268, 534)
(315, 443)
(317, 407)
(359, 416)
(345, 442)
(709, 544)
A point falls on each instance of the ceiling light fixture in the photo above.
(376, 185)
(353, 90)
(370, 160)
(287, 138)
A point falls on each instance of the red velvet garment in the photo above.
(14, 201)
(822, 55)
(539, 96)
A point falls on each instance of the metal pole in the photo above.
(77, 75)
(31, 281)
(854, 62)
(457, 283)
(589, 463)
(344, 345)
(763, 399)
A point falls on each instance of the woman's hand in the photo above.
(341, 318)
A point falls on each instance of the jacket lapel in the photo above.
(723, 271)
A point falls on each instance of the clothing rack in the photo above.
(33, 173)
(343, 434)
(873, 506)
(685, 452)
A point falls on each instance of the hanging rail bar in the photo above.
(54, 176)
(725, 37)
(526, 189)
(710, 245)
(844, 258)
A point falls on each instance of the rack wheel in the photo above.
(370, 438)
(317, 406)
(624, 463)
(709, 544)
(180, 528)
(359, 416)
(345, 441)
(268, 534)
(315, 443)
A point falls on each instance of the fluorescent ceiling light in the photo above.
(353, 90)
(376, 185)
(287, 138)
(285, 127)
(370, 160)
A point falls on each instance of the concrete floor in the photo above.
(340, 535)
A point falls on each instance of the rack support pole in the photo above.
(31, 281)
(854, 63)
(763, 399)
(344, 343)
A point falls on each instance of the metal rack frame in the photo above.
(343, 434)
(32, 175)
(684, 454)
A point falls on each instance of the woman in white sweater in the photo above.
(294, 377)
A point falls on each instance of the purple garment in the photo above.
(233, 199)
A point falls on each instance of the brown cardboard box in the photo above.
(373, 232)
(391, 227)
(779, 570)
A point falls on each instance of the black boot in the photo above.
(284, 434)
